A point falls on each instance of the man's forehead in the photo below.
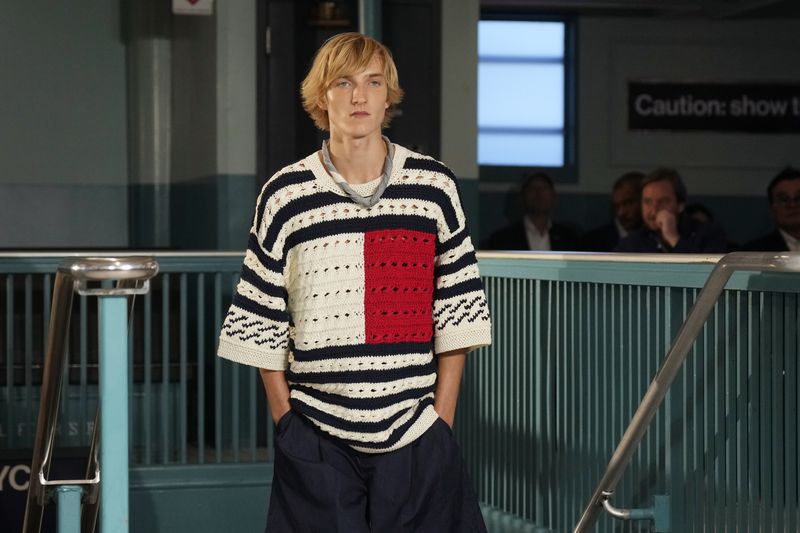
(792, 184)
(658, 188)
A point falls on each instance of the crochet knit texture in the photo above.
(353, 302)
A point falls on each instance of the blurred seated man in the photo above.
(783, 193)
(625, 200)
(536, 231)
(666, 228)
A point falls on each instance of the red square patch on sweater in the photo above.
(398, 297)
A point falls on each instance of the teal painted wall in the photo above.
(200, 499)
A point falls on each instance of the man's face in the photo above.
(785, 205)
(627, 208)
(539, 197)
(658, 196)
(356, 103)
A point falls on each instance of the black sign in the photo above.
(754, 108)
(15, 472)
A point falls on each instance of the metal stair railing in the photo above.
(82, 275)
(690, 329)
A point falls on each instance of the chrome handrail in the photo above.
(72, 275)
(690, 329)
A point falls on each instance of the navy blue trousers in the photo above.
(321, 485)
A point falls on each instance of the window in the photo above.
(523, 88)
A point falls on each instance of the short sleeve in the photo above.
(460, 312)
(256, 329)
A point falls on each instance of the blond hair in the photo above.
(343, 55)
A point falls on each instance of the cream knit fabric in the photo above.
(353, 302)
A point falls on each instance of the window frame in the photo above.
(568, 172)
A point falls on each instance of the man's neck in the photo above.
(358, 160)
(541, 221)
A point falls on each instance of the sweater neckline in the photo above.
(326, 181)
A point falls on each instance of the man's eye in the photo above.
(375, 83)
(342, 83)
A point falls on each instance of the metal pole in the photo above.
(51, 395)
(113, 330)
(68, 505)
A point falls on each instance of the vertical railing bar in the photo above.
(792, 405)
(46, 297)
(30, 411)
(201, 368)
(184, 362)
(777, 458)
(147, 396)
(165, 370)
(754, 344)
(537, 410)
(516, 383)
(254, 375)
(217, 372)
(505, 399)
(133, 411)
(235, 379)
(83, 349)
(10, 397)
(731, 414)
(766, 408)
(552, 348)
(741, 419)
(497, 407)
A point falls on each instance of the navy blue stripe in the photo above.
(270, 289)
(364, 403)
(428, 193)
(277, 183)
(451, 268)
(362, 350)
(374, 377)
(263, 258)
(453, 242)
(344, 425)
(458, 289)
(418, 163)
(397, 434)
(298, 207)
(359, 225)
(242, 302)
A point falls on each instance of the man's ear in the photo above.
(322, 103)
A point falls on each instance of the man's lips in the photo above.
(359, 114)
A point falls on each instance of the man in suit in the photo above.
(625, 200)
(783, 193)
(666, 227)
(536, 231)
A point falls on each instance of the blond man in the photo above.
(359, 299)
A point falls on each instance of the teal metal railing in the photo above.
(577, 339)
(89, 277)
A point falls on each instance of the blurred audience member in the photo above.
(700, 213)
(666, 227)
(783, 193)
(536, 231)
(626, 202)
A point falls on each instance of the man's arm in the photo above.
(448, 382)
(277, 392)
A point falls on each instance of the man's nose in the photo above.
(359, 96)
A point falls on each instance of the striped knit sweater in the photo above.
(354, 302)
